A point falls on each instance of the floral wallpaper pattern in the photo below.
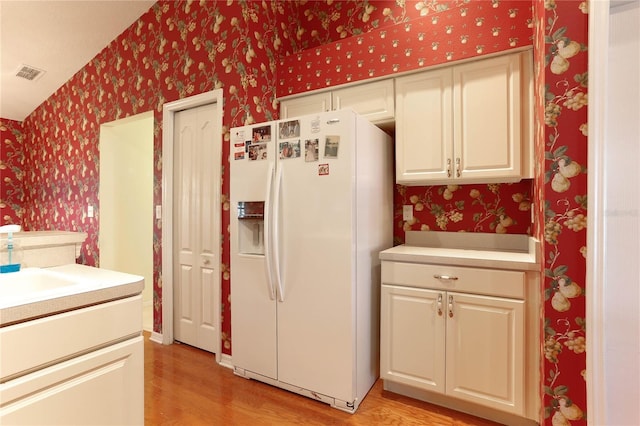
(11, 172)
(258, 50)
(562, 33)
(465, 208)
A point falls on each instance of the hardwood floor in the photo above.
(185, 386)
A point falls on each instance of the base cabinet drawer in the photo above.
(494, 282)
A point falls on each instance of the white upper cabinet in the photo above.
(374, 101)
(424, 126)
(468, 123)
(303, 105)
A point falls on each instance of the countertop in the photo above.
(28, 239)
(483, 250)
(85, 286)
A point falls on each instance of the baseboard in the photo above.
(226, 361)
(156, 337)
(458, 405)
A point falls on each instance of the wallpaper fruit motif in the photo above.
(561, 39)
(465, 208)
(11, 171)
(401, 37)
(256, 51)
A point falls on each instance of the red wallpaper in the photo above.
(562, 141)
(181, 48)
(404, 39)
(11, 172)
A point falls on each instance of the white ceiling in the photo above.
(60, 37)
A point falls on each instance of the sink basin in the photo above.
(39, 292)
(29, 284)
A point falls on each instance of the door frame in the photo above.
(168, 116)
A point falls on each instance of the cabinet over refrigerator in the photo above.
(312, 207)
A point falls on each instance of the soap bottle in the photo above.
(10, 250)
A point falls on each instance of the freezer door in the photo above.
(316, 240)
(253, 308)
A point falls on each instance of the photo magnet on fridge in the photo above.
(331, 146)
(290, 129)
(258, 151)
(311, 150)
(290, 149)
(261, 134)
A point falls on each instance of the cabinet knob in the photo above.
(448, 167)
(450, 306)
(440, 304)
(458, 173)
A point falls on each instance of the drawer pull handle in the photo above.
(450, 306)
(445, 277)
(440, 304)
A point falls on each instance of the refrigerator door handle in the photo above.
(267, 235)
(276, 233)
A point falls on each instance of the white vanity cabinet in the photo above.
(470, 123)
(374, 101)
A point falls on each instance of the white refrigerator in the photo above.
(311, 208)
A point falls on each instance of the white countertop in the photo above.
(28, 239)
(37, 292)
(515, 252)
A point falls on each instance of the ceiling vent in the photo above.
(30, 73)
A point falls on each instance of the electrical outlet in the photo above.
(90, 211)
(407, 212)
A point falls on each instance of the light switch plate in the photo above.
(158, 212)
(407, 212)
(90, 211)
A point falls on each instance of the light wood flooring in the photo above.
(185, 386)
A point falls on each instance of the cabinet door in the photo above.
(307, 104)
(423, 127)
(374, 101)
(487, 114)
(485, 351)
(412, 337)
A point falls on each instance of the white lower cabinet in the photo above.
(437, 336)
(81, 367)
(96, 388)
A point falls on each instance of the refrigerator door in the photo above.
(253, 306)
(316, 250)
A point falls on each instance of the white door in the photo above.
(412, 337)
(485, 350)
(195, 176)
